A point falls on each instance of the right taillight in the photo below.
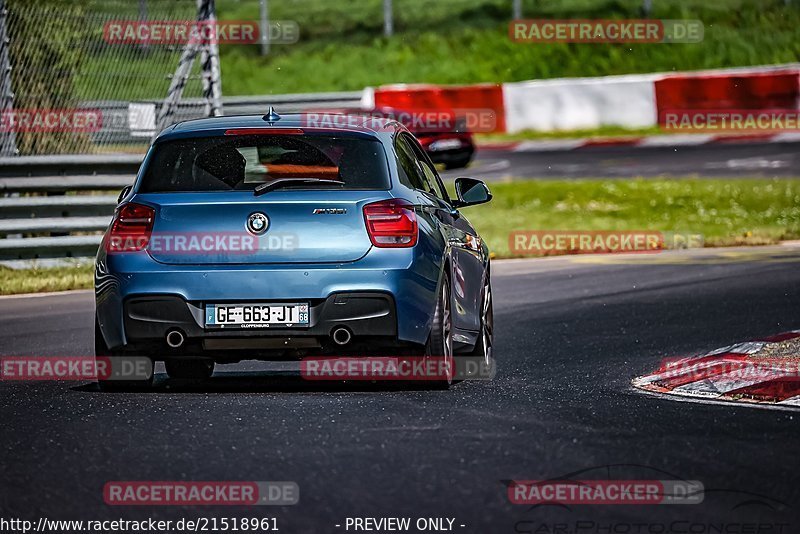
(391, 223)
(131, 229)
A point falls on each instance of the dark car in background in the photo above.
(443, 134)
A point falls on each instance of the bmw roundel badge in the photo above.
(257, 223)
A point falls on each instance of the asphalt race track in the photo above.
(728, 159)
(571, 333)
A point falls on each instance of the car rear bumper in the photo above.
(388, 293)
(150, 318)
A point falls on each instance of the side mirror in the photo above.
(124, 193)
(471, 192)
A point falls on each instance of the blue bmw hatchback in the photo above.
(274, 237)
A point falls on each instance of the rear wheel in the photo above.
(101, 350)
(440, 341)
(485, 343)
(190, 368)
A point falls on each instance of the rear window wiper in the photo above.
(283, 182)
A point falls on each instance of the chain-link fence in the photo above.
(68, 85)
(73, 89)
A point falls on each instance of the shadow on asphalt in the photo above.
(269, 382)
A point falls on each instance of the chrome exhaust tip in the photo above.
(341, 336)
(175, 338)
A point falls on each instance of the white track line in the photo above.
(676, 140)
(728, 403)
(792, 401)
(547, 146)
(48, 294)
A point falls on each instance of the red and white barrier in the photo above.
(634, 101)
(474, 100)
(580, 103)
(690, 93)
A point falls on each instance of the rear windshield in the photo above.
(243, 162)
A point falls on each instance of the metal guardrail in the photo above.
(56, 206)
(69, 165)
(117, 127)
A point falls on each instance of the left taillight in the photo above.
(391, 223)
(131, 229)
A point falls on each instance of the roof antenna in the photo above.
(271, 116)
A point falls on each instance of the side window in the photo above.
(432, 183)
(408, 167)
(430, 176)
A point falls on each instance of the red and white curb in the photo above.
(677, 140)
(747, 372)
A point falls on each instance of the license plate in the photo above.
(445, 144)
(256, 315)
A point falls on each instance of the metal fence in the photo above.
(56, 55)
(61, 64)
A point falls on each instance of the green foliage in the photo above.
(466, 41)
(45, 59)
(342, 46)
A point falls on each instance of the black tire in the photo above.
(189, 368)
(440, 340)
(484, 345)
(102, 350)
(459, 163)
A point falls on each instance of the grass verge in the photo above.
(38, 280)
(725, 212)
(535, 135)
